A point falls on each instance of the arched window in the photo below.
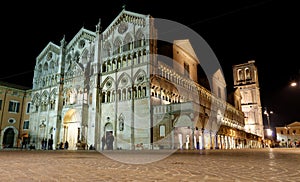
(129, 93)
(104, 67)
(108, 97)
(119, 95)
(103, 97)
(124, 94)
(240, 74)
(162, 130)
(119, 63)
(107, 49)
(247, 74)
(117, 46)
(127, 43)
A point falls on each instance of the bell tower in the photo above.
(245, 78)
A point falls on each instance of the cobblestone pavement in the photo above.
(209, 165)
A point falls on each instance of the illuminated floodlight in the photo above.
(269, 132)
(294, 84)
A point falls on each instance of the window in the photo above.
(13, 106)
(11, 120)
(281, 132)
(248, 75)
(28, 108)
(121, 123)
(26, 125)
(240, 75)
(186, 69)
(162, 130)
(219, 92)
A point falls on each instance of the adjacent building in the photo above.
(14, 115)
(289, 135)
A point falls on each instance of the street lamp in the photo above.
(269, 131)
(295, 80)
(268, 116)
(293, 83)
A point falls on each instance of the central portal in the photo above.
(72, 128)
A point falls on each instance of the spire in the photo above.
(63, 41)
(98, 26)
(123, 6)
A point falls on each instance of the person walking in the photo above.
(66, 145)
(110, 141)
(103, 140)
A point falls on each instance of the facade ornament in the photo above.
(63, 42)
(98, 26)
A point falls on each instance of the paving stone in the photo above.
(241, 165)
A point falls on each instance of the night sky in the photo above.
(237, 31)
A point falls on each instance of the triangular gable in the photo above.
(82, 34)
(294, 124)
(50, 47)
(76, 66)
(124, 16)
(186, 46)
(218, 75)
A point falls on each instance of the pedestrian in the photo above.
(23, 144)
(61, 145)
(66, 145)
(110, 141)
(43, 143)
(103, 140)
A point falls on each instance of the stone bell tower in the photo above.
(245, 78)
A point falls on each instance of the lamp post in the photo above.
(269, 131)
(287, 137)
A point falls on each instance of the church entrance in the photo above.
(183, 135)
(8, 139)
(72, 129)
(108, 129)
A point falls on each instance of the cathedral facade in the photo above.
(112, 82)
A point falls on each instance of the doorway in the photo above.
(8, 138)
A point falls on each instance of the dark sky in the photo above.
(237, 31)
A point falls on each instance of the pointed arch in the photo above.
(105, 86)
(52, 98)
(139, 73)
(76, 56)
(45, 95)
(121, 81)
(45, 67)
(140, 38)
(52, 65)
(85, 56)
(107, 49)
(128, 38)
(35, 98)
(128, 42)
(71, 116)
(117, 45)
